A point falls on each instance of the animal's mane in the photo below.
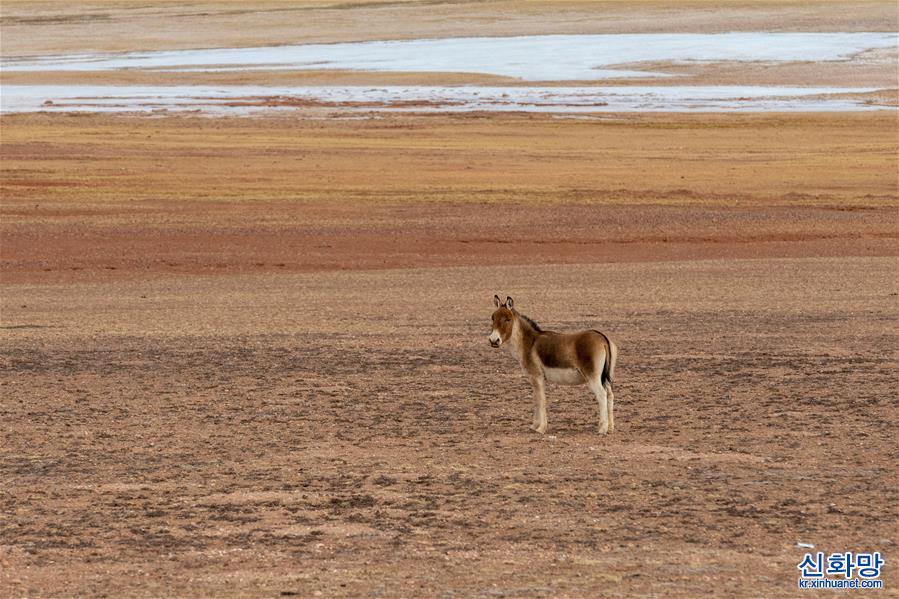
(533, 324)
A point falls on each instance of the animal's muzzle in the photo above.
(494, 339)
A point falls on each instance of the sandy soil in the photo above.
(352, 434)
(34, 28)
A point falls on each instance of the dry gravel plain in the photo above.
(353, 434)
(248, 357)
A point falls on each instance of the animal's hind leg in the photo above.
(539, 423)
(602, 398)
(610, 395)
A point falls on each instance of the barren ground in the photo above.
(41, 27)
(353, 434)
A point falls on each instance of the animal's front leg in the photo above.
(539, 423)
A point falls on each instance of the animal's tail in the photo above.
(608, 369)
(610, 362)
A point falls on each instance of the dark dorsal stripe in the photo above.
(533, 324)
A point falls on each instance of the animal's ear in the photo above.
(509, 302)
(497, 301)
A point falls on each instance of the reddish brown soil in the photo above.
(391, 236)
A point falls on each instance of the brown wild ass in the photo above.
(585, 357)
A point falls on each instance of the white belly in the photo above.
(563, 376)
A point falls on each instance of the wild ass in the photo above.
(585, 357)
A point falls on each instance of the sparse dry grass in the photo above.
(724, 159)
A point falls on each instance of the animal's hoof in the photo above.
(604, 430)
(538, 429)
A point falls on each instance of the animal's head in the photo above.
(503, 320)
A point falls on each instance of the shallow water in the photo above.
(532, 58)
(241, 100)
